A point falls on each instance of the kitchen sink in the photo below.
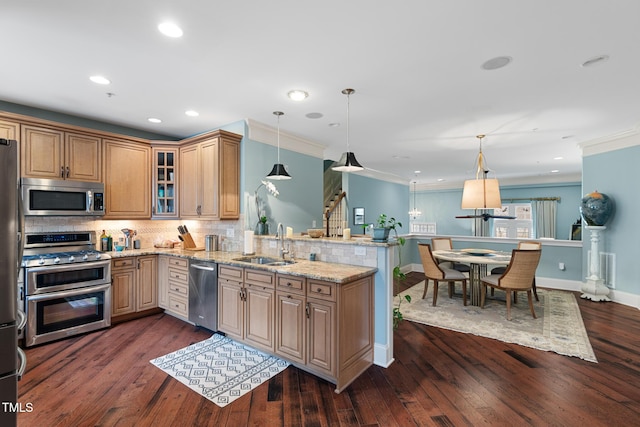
(265, 260)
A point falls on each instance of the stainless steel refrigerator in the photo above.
(12, 359)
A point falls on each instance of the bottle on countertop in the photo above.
(104, 241)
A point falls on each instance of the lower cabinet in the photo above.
(322, 327)
(173, 285)
(246, 309)
(133, 284)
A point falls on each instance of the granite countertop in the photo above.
(332, 272)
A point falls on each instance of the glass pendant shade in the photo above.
(347, 163)
(278, 172)
(481, 194)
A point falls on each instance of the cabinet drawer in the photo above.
(178, 288)
(178, 275)
(293, 284)
(233, 273)
(321, 290)
(122, 262)
(179, 262)
(178, 305)
(259, 278)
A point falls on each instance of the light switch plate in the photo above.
(230, 232)
(273, 244)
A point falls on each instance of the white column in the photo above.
(594, 288)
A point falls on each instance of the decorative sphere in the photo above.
(596, 208)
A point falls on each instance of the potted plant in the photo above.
(262, 227)
(383, 226)
(398, 275)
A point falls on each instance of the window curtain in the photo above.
(544, 214)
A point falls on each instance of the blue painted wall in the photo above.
(377, 197)
(616, 174)
(300, 200)
(442, 206)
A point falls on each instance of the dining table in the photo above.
(478, 260)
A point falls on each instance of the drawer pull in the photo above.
(319, 290)
(288, 283)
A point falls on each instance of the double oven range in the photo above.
(67, 286)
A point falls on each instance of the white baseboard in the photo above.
(382, 355)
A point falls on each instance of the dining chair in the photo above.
(437, 273)
(528, 245)
(444, 244)
(518, 276)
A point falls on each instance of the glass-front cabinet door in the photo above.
(165, 186)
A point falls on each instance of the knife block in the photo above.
(189, 244)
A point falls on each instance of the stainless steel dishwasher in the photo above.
(203, 294)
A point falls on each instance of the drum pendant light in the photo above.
(482, 192)
(347, 162)
(278, 172)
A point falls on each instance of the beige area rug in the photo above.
(558, 328)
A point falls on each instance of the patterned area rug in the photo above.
(220, 369)
(558, 328)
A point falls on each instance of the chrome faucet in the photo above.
(280, 235)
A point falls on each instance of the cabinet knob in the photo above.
(61, 171)
(67, 171)
(288, 283)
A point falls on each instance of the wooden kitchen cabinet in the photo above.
(164, 187)
(9, 130)
(127, 173)
(209, 174)
(134, 286)
(246, 308)
(54, 154)
(173, 285)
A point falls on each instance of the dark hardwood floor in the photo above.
(439, 378)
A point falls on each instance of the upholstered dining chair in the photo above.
(501, 270)
(444, 244)
(437, 273)
(518, 276)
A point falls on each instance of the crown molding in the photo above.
(269, 135)
(508, 182)
(618, 141)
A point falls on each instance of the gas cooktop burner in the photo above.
(59, 258)
(58, 248)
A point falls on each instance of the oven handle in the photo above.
(65, 267)
(69, 293)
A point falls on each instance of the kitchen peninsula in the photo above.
(317, 315)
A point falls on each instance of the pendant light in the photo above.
(347, 162)
(414, 213)
(278, 172)
(481, 193)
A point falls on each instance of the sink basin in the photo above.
(264, 260)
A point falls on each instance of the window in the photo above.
(519, 228)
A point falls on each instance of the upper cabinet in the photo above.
(9, 130)
(209, 174)
(165, 182)
(127, 174)
(54, 154)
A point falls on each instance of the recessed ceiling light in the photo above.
(440, 179)
(192, 113)
(170, 29)
(417, 172)
(558, 158)
(100, 80)
(314, 115)
(154, 120)
(555, 171)
(497, 62)
(567, 136)
(334, 125)
(595, 60)
(297, 95)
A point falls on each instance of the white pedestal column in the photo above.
(594, 289)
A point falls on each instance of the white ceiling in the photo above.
(421, 94)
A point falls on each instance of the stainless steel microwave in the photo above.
(61, 197)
